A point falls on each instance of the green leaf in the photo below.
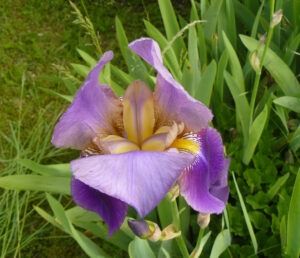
(223, 61)
(205, 88)
(185, 216)
(246, 215)
(136, 67)
(229, 21)
(82, 70)
(46, 216)
(199, 248)
(211, 18)
(119, 239)
(169, 56)
(256, 21)
(244, 14)
(291, 47)
(171, 25)
(293, 222)
(63, 96)
(283, 229)
(255, 132)
(241, 103)
(36, 183)
(291, 103)
(278, 184)
(60, 170)
(165, 212)
(88, 246)
(121, 76)
(235, 65)
(79, 214)
(194, 61)
(278, 69)
(222, 241)
(87, 58)
(295, 140)
(139, 248)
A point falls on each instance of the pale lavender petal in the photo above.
(111, 210)
(174, 103)
(94, 110)
(138, 178)
(204, 183)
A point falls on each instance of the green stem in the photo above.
(176, 221)
(197, 251)
(258, 72)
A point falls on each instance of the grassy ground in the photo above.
(36, 36)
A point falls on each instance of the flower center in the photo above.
(139, 123)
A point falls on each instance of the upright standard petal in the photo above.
(138, 112)
(138, 178)
(174, 103)
(111, 210)
(204, 183)
(95, 110)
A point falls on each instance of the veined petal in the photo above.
(95, 110)
(111, 210)
(138, 112)
(174, 103)
(204, 183)
(139, 178)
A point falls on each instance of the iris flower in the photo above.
(134, 149)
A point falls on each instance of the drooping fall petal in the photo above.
(95, 110)
(111, 210)
(204, 183)
(138, 178)
(174, 103)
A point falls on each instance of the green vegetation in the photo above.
(243, 62)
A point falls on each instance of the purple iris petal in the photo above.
(138, 178)
(112, 210)
(173, 101)
(93, 111)
(204, 183)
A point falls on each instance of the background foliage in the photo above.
(236, 62)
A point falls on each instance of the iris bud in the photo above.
(276, 19)
(203, 220)
(254, 61)
(145, 229)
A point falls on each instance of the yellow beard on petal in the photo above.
(187, 145)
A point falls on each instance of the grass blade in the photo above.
(246, 216)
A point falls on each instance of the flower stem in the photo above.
(258, 72)
(176, 221)
(197, 251)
